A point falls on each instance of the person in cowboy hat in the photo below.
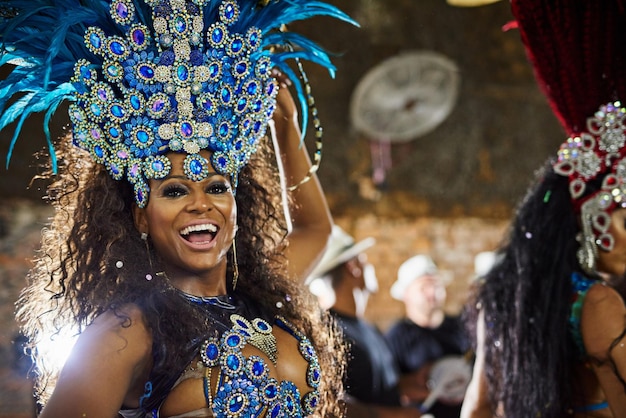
(426, 334)
(343, 281)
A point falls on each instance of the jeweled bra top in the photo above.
(244, 385)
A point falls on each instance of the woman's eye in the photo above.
(218, 188)
(174, 191)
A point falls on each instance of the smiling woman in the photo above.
(170, 254)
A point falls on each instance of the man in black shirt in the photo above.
(427, 334)
(372, 375)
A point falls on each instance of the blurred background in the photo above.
(434, 127)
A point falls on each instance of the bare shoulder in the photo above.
(602, 319)
(602, 298)
(115, 349)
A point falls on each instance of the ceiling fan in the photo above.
(400, 99)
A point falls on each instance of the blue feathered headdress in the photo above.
(146, 77)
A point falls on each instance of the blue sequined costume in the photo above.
(245, 387)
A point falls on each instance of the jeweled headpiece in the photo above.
(146, 77)
(576, 48)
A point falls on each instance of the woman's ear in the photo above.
(140, 219)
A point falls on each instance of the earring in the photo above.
(144, 238)
(235, 266)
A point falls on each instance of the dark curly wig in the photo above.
(92, 259)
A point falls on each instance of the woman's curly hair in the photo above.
(92, 259)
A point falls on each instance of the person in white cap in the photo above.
(427, 333)
(342, 281)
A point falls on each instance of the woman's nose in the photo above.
(200, 202)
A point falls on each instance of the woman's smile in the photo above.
(190, 223)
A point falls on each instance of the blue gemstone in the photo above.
(95, 40)
(316, 374)
(212, 352)
(233, 340)
(229, 12)
(271, 391)
(117, 111)
(142, 136)
(270, 88)
(252, 88)
(140, 196)
(78, 116)
(263, 68)
(214, 70)
(139, 37)
(236, 403)
(146, 71)
(114, 168)
(195, 166)
(226, 95)
(114, 132)
(276, 411)
(241, 68)
(180, 25)
(117, 48)
(217, 36)
(241, 104)
(158, 105)
(113, 70)
(182, 72)
(238, 147)
(135, 102)
(232, 361)
(186, 129)
(256, 127)
(133, 171)
(257, 368)
(236, 45)
(223, 130)
(95, 109)
(122, 10)
(102, 94)
(290, 403)
(313, 402)
(258, 105)
(254, 39)
(222, 161)
(158, 166)
(84, 72)
(98, 151)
